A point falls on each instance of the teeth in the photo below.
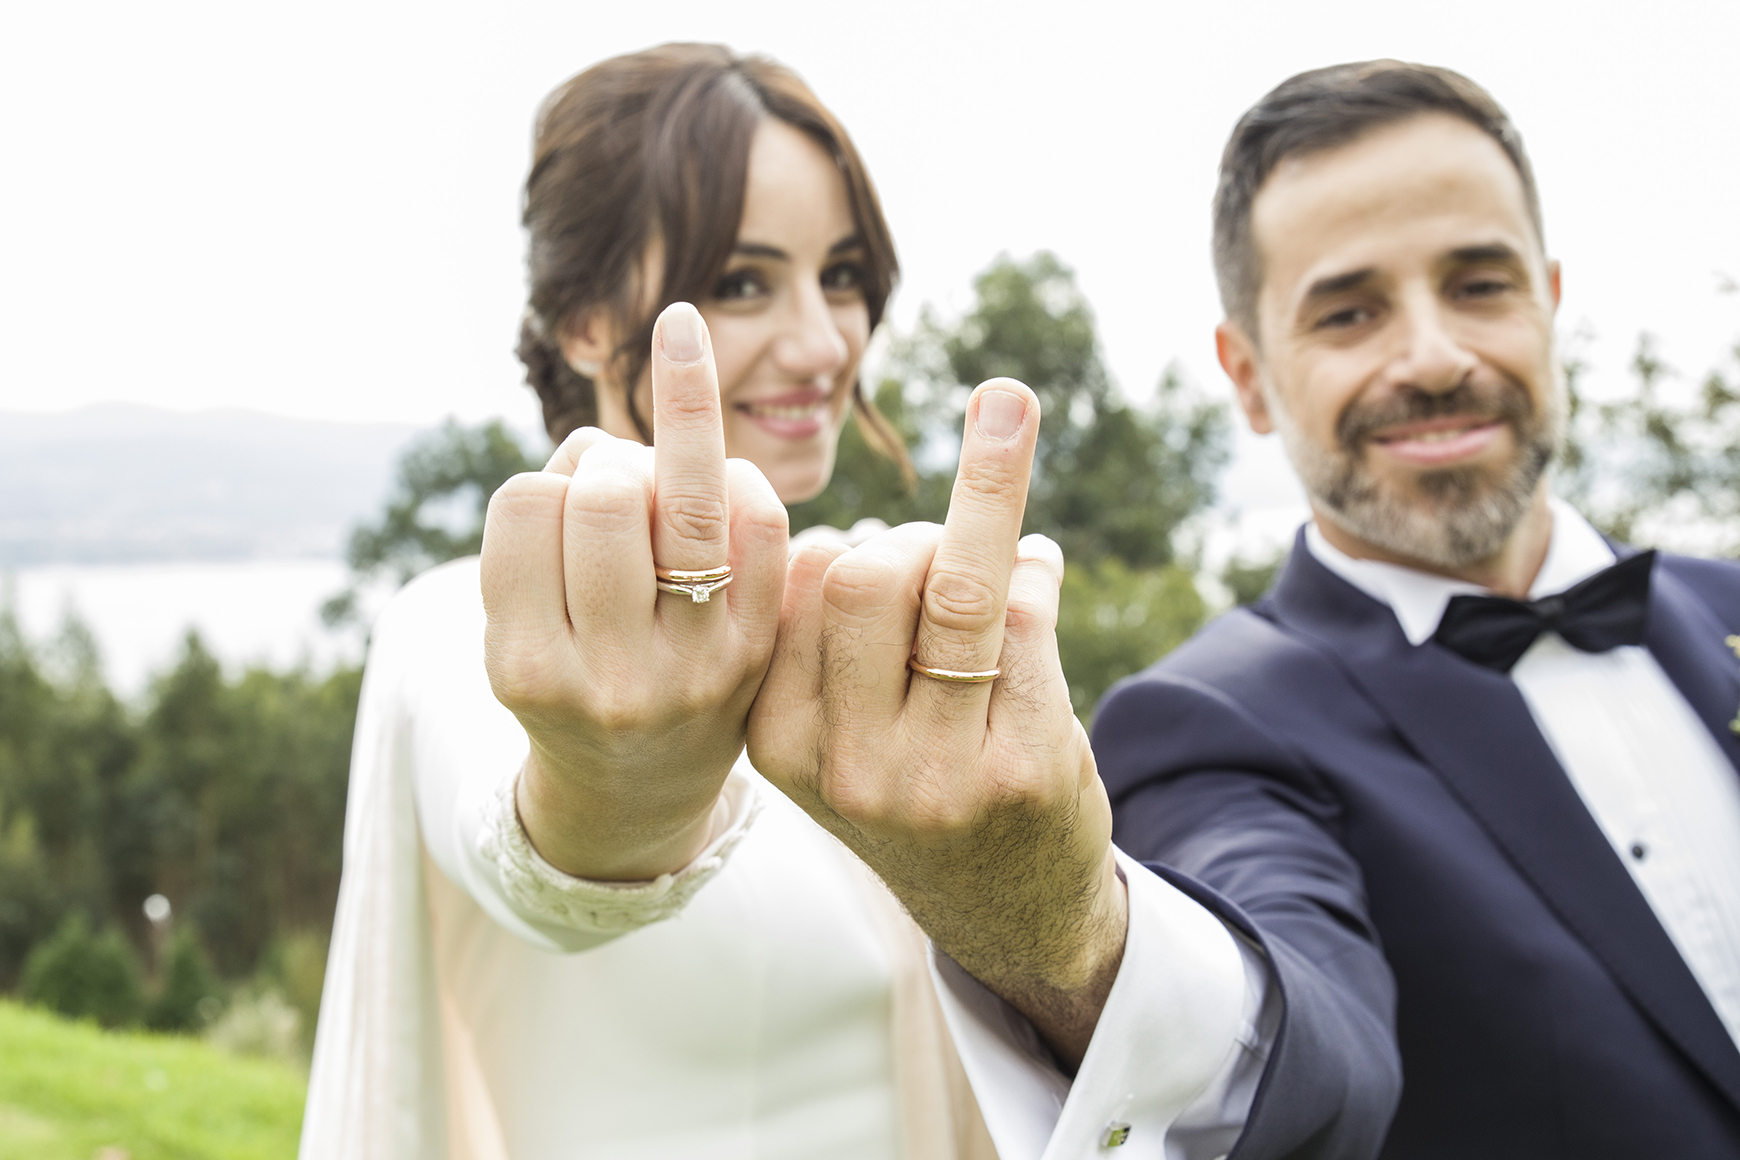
(792, 413)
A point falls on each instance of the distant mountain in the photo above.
(116, 483)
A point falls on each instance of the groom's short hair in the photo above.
(1321, 109)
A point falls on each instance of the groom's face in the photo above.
(1404, 345)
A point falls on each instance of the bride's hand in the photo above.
(978, 803)
(634, 699)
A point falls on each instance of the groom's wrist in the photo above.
(1055, 964)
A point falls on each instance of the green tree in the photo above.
(235, 805)
(1110, 478)
(186, 984)
(1248, 580)
(64, 744)
(1114, 620)
(1658, 461)
(437, 510)
(85, 975)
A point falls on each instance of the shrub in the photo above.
(188, 983)
(85, 975)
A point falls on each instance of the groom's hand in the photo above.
(977, 803)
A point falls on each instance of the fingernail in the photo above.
(680, 333)
(1000, 415)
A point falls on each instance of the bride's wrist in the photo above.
(585, 830)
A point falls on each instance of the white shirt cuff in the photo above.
(1188, 1024)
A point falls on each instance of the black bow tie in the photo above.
(1604, 611)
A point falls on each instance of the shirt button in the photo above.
(1639, 851)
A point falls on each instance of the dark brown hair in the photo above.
(1319, 110)
(654, 147)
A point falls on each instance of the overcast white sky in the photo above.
(311, 209)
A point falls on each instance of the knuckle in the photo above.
(1027, 620)
(762, 522)
(694, 517)
(694, 400)
(609, 501)
(858, 583)
(616, 711)
(523, 483)
(527, 493)
(812, 561)
(923, 806)
(850, 799)
(955, 600)
(990, 479)
(523, 679)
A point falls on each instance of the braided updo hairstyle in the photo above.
(653, 147)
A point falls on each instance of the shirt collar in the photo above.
(1418, 598)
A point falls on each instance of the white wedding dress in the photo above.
(781, 1006)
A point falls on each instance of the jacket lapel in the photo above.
(1473, 728)
(1688, 642)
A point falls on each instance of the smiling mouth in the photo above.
(1435, 434)
(1441, 441)
(785, 412)
(794, 415)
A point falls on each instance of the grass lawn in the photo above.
(68, 1091)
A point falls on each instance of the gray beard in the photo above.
(1458, 516)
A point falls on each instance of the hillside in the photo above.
(69, 1091)
(118, 483)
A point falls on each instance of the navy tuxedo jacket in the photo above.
(1456, 943)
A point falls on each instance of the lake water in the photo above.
(268, 611)
(249, 611)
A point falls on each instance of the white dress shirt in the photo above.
(751, 1022)
(1644, 764)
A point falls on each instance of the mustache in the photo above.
(1501, 401)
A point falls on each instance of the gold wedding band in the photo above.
(703, 576)
(958, 676)
(698, 585)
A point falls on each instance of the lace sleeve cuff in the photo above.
(543, 895)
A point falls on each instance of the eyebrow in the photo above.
(1336, 283)
(763, 250)
(1461, 256)
(1488, 252)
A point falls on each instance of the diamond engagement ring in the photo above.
(957, 676)
(698, 586)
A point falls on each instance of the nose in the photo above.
(1429, 356)
(811, 345)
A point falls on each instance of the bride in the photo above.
(575, 920)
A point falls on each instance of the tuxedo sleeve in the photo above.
(1228, 813)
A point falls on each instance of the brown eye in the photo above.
(1342, 319)
(738, 285)
(1484, 288)
(843, 278)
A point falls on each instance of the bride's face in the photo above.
(787, 317)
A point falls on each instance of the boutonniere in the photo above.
(1733, 642)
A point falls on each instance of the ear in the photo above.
(1238, 357)
(1553, 282)
(588, 342)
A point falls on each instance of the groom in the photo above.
(1467, 773)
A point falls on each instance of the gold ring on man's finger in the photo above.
(957, 676)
